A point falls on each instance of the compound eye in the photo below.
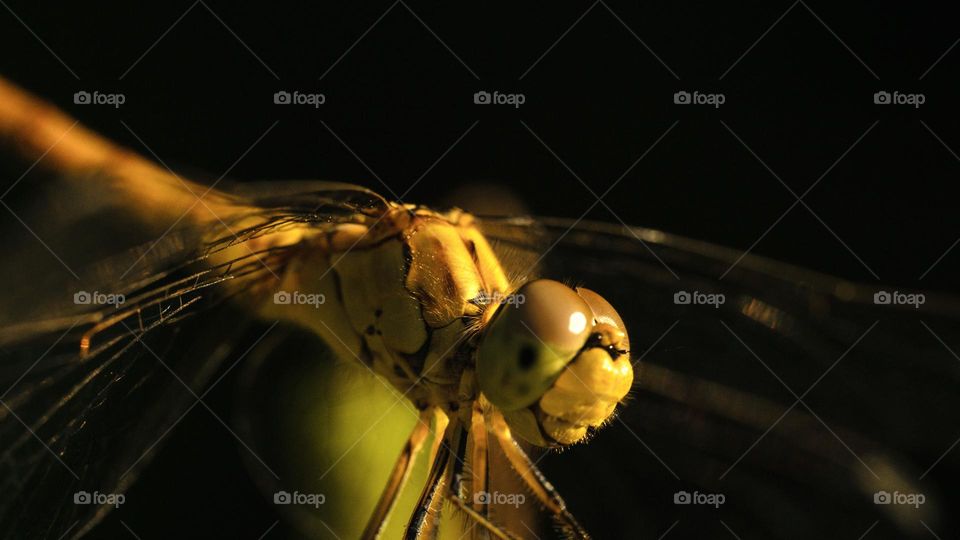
(604, 313)
(556, 315)
(529, 342)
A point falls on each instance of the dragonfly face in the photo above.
(555, 361)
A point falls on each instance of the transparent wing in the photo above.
(90, 391)
(797, 398)
(89, 387)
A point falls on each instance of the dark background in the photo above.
(399, 93)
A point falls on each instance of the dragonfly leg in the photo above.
(425, 520)
(456, 494)
(480, 519)
(541, 488)
(398, 477)
(478, 458)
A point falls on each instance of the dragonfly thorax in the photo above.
(403, 294)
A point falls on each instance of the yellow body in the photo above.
(398, 298)
(401, 298)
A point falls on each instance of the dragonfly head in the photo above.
(556, 363)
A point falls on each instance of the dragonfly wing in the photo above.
(91, 391)
(798, 398)
(76, 435)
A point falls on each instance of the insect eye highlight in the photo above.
(527, 344)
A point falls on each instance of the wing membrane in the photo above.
(91, 391)
(797, 398)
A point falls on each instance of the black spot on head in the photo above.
(528, 355)
(378, 312)
(371, 330)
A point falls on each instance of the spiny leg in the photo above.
(448, 468)
(456, 493)
(480, 519)
(478, 458)
(457, 467)
(425, 520)
(534, 479)
(398, 477)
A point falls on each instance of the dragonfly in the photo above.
(795, 403)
